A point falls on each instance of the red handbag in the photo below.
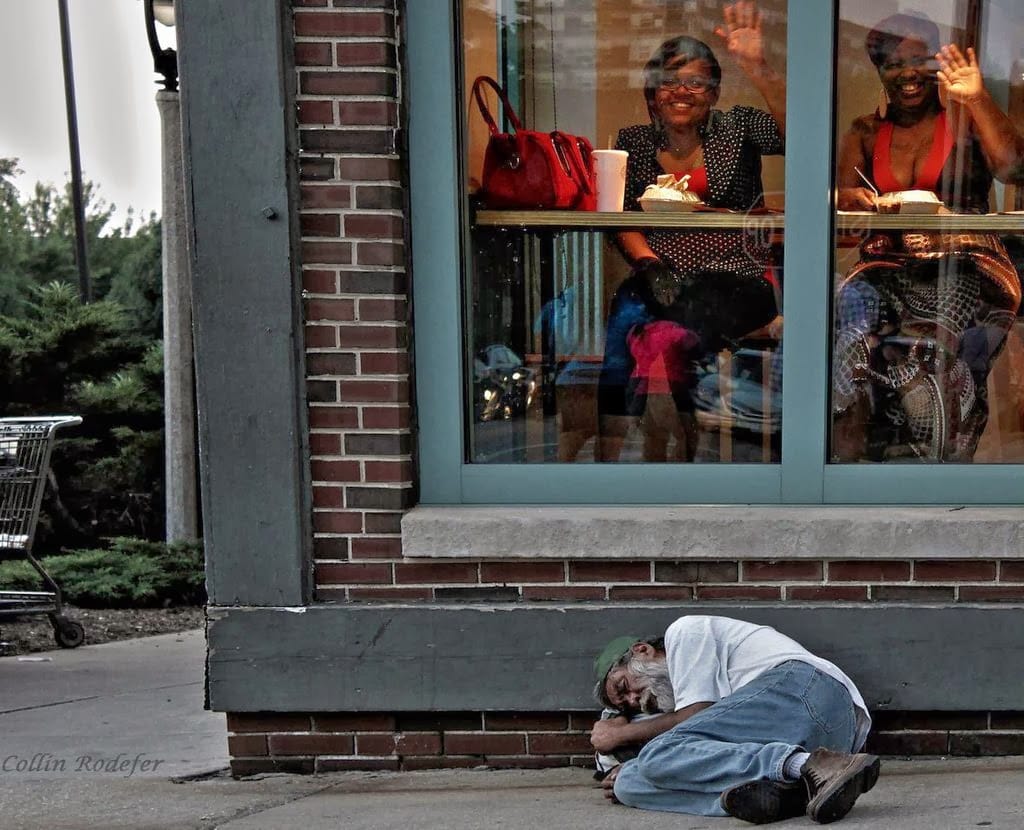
(527, 170)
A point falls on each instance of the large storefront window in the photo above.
(928, 342)
(648, 330)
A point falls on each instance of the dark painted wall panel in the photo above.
(237, 125)
(380, 658)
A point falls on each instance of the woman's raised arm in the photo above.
(741, 34)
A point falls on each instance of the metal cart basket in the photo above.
(25, 447)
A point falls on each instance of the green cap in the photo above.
(611, 654)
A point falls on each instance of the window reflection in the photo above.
(637, 343)
(927, 334)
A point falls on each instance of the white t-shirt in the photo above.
(711, 657)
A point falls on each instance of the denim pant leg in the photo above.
(743, 737)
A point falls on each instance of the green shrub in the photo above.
(131, 573)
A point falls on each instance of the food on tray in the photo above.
(670, 194)
(908, 201)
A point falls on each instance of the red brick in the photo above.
(986, 743)
(347, 83)
(374, 310)
(576, 593)
(333, 24)
(609, 572)
(311, 744)
(319, 281)
(829, 593)
(522, 572)
(651, 592)
(334, 573)
(781, 571)
(312, 54)
(726, 592)
(369, 169)
(384, 363)
(381, 226)
(327, 253)
(321, 337)
(1011, 572)
(384, 523)
(991, 593)
(333, 417)
(403, 744)
(376, 547)
(484, 744)
(368, 722)
(321, 443)
(388, 470)
(321, 309)
(389, 594)
(525, 721)
(374, 391)
(1008, 720)
(868, 571)
(315, 112)
(431, 573)
(386, 417)
(912, 593)
(380, 253)
(583, 721)
(927, 721)
(320, 224)
(351, 764)
(267, 722)
(376, 113)
(240, 745)
(908, 743)
(330, 547)
(334, 470)
(330, 363)
(327, 497)
(365, 54)
(954, 571)
(326, 196)
(336, 521)
(372, 337)
(558, 744)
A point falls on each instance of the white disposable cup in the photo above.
(610, 169)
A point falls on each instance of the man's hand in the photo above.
(608, 784)
(959, 77)
(606, 735)
(741, 33)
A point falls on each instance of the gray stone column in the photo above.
(179, 379)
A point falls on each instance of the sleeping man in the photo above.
(748, 724)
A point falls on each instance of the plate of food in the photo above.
(670, 195)
(908, 201)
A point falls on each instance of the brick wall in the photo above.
(357, 338)
(354, 276)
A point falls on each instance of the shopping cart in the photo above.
(25, 446)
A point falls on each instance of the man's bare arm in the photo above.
(608, 735)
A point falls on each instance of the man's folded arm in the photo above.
(616, 733)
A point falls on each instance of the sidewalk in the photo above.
(142, 699)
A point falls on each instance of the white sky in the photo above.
(118, 122)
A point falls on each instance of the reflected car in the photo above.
(503, 386)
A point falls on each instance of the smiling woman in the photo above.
(652, 342)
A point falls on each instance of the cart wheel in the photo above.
(68, 633)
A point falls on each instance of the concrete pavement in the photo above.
(124, 703)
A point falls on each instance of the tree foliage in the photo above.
(102, 360)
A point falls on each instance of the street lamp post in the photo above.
(179, 382)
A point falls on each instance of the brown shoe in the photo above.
(762, 802)
(835, 780)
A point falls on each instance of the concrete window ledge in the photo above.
(697, 532)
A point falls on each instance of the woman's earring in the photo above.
(883, 103)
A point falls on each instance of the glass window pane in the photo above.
(928, 353)
(644, 331)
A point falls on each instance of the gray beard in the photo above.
(658, 696)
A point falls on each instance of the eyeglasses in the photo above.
(923, 62)
(695, 83)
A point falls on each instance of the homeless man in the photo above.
(751, 724)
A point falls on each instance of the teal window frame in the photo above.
(803, 476)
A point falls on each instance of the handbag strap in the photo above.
(571, 153)
(481, 102)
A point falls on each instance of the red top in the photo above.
(930, 172)
(698, 181)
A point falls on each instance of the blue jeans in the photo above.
(744, 737)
